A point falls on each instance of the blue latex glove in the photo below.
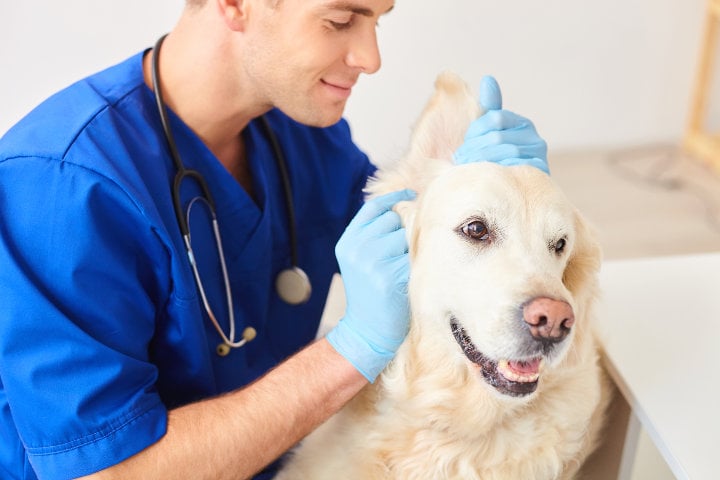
(374, 263)
(501, 136)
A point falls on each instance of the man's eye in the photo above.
(476, 230)
(340, 25)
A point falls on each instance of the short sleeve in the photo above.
(81, 271)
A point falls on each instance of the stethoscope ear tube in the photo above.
(160, 102)
(181, 171)
(287, 188)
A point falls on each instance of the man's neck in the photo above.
(196, 89)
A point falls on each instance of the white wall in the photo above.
(589, 73)
(48, 44)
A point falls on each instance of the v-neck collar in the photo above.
(244, 221)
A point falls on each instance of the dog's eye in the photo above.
(476, 230)
(559, 246)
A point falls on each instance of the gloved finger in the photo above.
(364, 242)
(377, 206)
(393, 244)
(395, 277)
(377, 251)
(496, 153)
(386, 222)
(490, 95)
(495, 120)
(522, 136)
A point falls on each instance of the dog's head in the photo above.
(502, 266)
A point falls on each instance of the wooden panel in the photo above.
(698, 141)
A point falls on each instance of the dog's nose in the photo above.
(549, 319)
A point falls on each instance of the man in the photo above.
(108, 359)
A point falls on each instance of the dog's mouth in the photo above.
(516, 378)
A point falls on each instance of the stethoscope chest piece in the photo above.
(293, 286)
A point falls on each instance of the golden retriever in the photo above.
(499, 377)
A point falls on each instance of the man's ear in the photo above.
(235, 13)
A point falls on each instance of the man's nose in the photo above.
(364, 53)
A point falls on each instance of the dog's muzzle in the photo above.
(516, 378)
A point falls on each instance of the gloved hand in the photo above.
(501, 136)
(373, 259)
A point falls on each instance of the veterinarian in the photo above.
(166, 247)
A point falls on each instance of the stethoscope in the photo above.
(292, 284)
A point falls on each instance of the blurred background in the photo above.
(590, 74)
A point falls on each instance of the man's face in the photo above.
(304, 56)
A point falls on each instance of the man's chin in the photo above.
(315, 117)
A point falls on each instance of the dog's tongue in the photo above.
(530, 367)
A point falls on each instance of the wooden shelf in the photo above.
(698, 141)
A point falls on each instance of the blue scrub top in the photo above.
(101, 326)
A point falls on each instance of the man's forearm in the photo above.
(235, 435)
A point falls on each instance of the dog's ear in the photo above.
(437, 134)
(444, 121)
(580, 276)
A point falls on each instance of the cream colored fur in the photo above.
(431, 415)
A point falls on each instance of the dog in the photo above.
(499, 377)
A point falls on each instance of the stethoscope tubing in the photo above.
(293, 284)
(183, 221)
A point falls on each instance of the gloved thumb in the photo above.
(490, 96)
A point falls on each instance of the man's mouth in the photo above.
(516, 378)
(339, 88)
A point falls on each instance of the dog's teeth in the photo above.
(505, 370)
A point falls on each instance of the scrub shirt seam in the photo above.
(115, 184)
(123, 422)
(91, 118)
(93, 171)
